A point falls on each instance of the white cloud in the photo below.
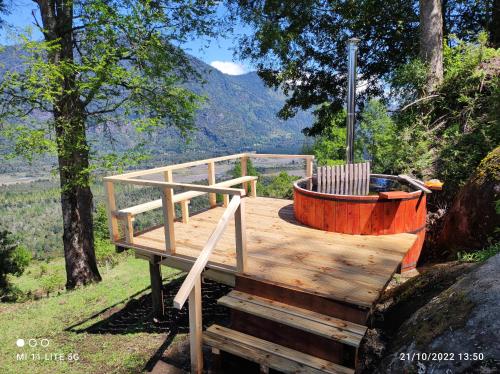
(229, 67)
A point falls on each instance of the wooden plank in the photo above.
(109, 191)
(341, 179)
(328, 173)
(336, 172)
(365, 212)
(276, 155)
(225, 200)
(329, 214)
(211, 181)
(244, 171)
(241, 237)
(180, 186)
(185, 211)
(356, 330)
(356, 178)
(393, 194)
(368, 175)
(167, 176)
(341, 218)
(195, 328)
(270, 354)
(303, 299)
(351, 179)
(316, 323)
(353, 219)
(309, 167)
(390, 209)
(128, 228)
(253, 187)
(320, 179)
(168, 219)
(377, 219)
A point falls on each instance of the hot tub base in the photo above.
(365, 215)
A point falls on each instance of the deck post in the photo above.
(156, 287)
(241, 239)
(253, 187)
(168, 175)
(109, 190)
(309, 171)
(211, 180)
(128, 228)
(225, 200)
(185, 211)
(244, 171)
(195, 328)
(168, 219)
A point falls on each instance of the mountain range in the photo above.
(238, 115)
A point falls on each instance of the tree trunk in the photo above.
(431, 41)
(73, 152)
(494, 27)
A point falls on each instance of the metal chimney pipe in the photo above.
(352, 45)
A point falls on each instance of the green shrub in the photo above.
(52, 282)
(105, 253)
(101, 230)
(14, 258)
(280, 186)
(480, 256)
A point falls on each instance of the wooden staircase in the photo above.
(284, 337)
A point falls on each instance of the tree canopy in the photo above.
(101, 62)
(301, 46)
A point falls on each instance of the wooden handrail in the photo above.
(180, 186)
(277, 155)
(201, 262)
(179, 166)
(207, 161)
(156, 204)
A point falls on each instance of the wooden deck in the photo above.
(350, 268)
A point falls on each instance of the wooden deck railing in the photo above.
(126, 216)
(191, 288)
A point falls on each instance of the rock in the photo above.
(459, 322)
(472, 222)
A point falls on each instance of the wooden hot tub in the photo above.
(372, 214)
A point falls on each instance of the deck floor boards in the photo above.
(353, 268)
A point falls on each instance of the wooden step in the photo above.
(290, 295)
(267, 354)
(312, 322)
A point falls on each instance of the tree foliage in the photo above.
(301, 46)
(13, 260)
(461, 122)
(100, 61)
(126, 65)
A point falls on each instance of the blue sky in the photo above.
(219, 52)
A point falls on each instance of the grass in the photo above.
(49, 318)
(480, 256)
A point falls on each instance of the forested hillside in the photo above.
(239, 113)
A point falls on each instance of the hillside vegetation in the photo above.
(238, 114)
